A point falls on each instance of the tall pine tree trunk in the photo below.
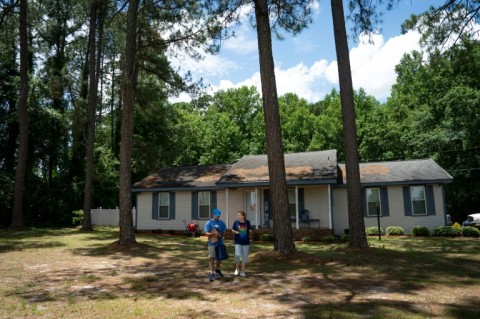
(17, 213)
(282, 226)
(357, 237)
(127, 232)
(92, 106)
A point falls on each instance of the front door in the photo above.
(251, 205)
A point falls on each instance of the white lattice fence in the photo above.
(108, 216)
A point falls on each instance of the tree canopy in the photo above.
(432, 112)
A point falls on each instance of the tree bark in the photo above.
(17, 212)
(276, 163)
(92, 105)
(127, 232)
(357, 237)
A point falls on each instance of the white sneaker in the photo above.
(242, 274)
(236, 272)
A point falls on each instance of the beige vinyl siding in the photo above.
(183, 208)
(316, 202)
(397, 212)
(144, 210)
(235, 203)
(183, 211)
(340, 211)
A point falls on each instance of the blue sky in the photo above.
(306, 64)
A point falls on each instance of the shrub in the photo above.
(470, 231)
(268, 237)
(420, 231)
(77, 218)
(306, 239)
(344, 238)
(447, 231)
(373, 231)
(328, 239)
(395, 231)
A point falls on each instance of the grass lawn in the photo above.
(64, 273)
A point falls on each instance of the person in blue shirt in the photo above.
(215, 229)
(242, 229)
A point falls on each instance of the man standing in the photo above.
(215, 229)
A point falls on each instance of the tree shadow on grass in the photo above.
(326, 282)
(17, 245)
(180, 249)
(37, 238)
(468, 309)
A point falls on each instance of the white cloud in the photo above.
(372, 64)
(299, 79)
(243, 42)
(210, 66)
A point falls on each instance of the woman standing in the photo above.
(242, 229)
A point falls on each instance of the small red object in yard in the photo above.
(192, 229)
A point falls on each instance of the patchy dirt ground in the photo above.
(170, 280)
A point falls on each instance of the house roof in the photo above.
(307, 168)
(300, 168)
(400, 172)
(186, 177)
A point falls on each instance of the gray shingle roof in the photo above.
(183, 177)
(301, 168)
(306, 167)
(401, 172)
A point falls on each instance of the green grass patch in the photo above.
(66, 273)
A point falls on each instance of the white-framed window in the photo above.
(204, 204)
(418, 198)
(373, 201)
(292, 202)
(163, 205)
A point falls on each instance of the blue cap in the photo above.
(217, 212)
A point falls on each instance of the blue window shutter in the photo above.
(154, 205)
(430, 200)
(194, 205)
(364, 202)
(407, 205)
(384, 201)
(301, 200)
(172, 205)
(213, 200)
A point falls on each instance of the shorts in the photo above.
(241, 253)
(211, 251)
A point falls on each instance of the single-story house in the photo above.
(402, 193)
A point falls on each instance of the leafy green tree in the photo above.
(153, 28)
(9, 130)
(297, 123)
(187, 134)
(328, 130)
(435, 106)
(231, 118)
